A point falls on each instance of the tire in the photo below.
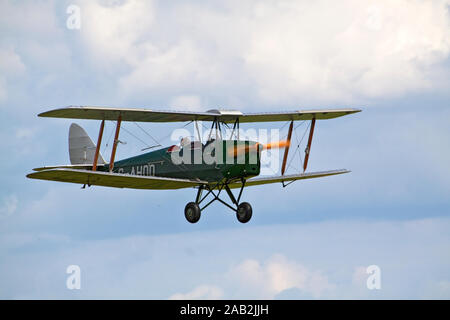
(244, 212)
(192, 212)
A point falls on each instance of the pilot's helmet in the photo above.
(185, 141)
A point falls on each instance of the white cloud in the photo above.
(359, 276)
(255, 53)
(11, 66)
(34, 52)
(25, 133)
(179, 67)
(327, 49)
(288, 52)
(112, 31)
(10, 62)
(277, 274)
(265, 280)
(317, 260)
(23, 17)
(203, 292)
(186, 102)
(20, 240)
(9, 206)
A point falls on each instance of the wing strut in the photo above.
(198, 131)
(308, 148)
(116, 141)
(99, 142)
(286, 150)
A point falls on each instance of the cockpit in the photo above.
(186, 143)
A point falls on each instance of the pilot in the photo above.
(185, 142)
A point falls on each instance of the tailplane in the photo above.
(81, 147)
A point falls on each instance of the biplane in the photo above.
(211, 166)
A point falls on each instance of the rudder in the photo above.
(81, 147)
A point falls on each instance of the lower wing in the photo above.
(287, 178)
(115, 180)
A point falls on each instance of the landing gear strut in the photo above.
(192, 211)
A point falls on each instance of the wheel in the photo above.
(244, 212)
(192, 212)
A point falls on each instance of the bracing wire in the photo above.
(298, 145)
(296, 149)
(134, 136)
(148, 134)
(109, 139)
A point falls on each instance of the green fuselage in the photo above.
(213, 162)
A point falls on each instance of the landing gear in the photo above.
(244, 212)
(192, 212)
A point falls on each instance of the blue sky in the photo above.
(313, 239)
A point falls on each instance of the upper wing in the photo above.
(296, 115)
(292, 177)
(138, 115)
(146, 115)
(116, 180)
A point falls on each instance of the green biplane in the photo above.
(211, 167)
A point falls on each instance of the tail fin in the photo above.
(81, 147)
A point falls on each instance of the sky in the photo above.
(314, 239)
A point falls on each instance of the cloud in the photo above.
(359, 276)
(112, 31)
(179, 68)
(277, 274)
(9, 206)
(14, 241)
(263, 53)
(268, 279)
(11, 67)
(20, 18)
(254, 55)
(350, 50)
(203, 292)
(187, 102)
(288, 52)
(37, 53)
(10, 62)
(270, 262)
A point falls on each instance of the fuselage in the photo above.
(214, 161)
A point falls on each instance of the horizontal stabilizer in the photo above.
(115, 180)
(287, 178)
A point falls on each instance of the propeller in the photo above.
(275, 145)
(258, 146)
